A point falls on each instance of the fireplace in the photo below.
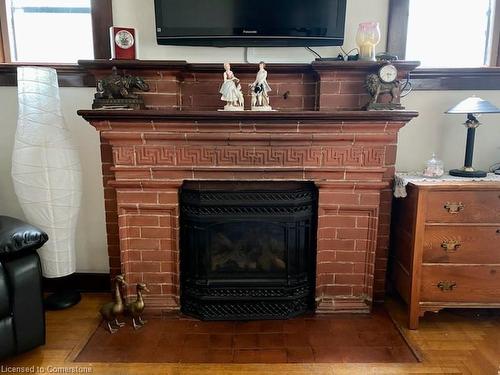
(319, 135)
(247, 249)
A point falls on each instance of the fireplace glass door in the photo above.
(246, 249)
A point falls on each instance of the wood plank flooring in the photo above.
(454, 342)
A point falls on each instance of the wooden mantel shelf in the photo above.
(241, 67)
(276, 116)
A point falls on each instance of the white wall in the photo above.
(433, 131)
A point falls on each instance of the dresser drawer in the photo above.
(462, 244)
(481, 206)
(446, 283)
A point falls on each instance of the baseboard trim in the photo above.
(81, 282)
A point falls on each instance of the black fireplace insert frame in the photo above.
(250, 278)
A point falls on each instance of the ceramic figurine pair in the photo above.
(231, 91)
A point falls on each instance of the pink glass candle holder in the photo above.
(367, 38)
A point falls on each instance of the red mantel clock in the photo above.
(123, 43)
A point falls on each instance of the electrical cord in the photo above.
(346, 54)
(314, 52)
(246, 55)
(407, 84)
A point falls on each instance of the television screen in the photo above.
(250, 22)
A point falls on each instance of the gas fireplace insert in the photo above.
(248, 249)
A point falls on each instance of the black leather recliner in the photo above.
(22, 317)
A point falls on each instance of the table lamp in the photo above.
(472, 107)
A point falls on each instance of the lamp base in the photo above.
(62, 300)
(469, 174)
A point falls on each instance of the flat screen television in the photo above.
(250, 23)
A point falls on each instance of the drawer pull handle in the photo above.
(450, 246)
(446, 286)
(454, 208)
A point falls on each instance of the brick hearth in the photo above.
(350, 156)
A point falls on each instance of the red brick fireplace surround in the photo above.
(318, 133)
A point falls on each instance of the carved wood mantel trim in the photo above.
(160, 115)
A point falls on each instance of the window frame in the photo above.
(483, 78)
(102, 20)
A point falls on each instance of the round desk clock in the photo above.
(124, 39)
(388, 73)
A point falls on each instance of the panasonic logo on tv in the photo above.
(249, 31)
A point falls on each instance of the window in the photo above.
(49, 30)
(55, 31)
(445, 33)
(449, 33)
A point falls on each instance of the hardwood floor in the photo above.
(455, 342)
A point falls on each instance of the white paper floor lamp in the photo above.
(46, 171)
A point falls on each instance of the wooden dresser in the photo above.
(445, 246)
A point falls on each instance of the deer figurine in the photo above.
(112, 310)
(136, 308)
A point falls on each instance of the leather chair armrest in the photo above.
(24, 275)
(17, 236)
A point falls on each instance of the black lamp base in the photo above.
(62, 300)
(469, 174)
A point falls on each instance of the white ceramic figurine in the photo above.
(231, 91)
(260, 88)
